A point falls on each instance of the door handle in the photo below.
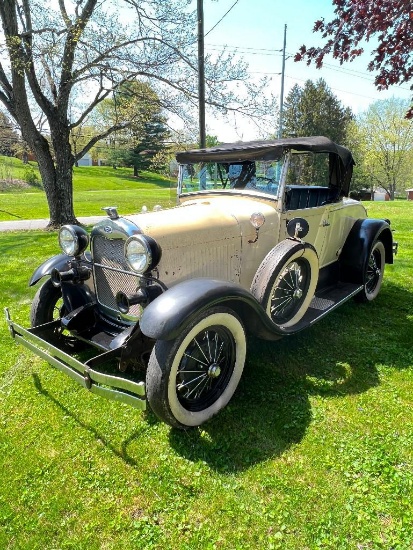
(325, 223)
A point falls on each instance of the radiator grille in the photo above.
(109, 253)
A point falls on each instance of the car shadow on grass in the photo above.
(272, 407)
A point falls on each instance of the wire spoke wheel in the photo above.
(285, 282)
(206, 366)
(373, 275)
(48, 306)
(191, 378)
(289, 291)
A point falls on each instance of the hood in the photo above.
(202, 237)
(194, 222)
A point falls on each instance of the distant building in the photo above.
(381, 195)
(86, 160)
(409, 194)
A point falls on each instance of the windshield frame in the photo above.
(282, 166)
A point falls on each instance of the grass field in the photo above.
(315, 450)
(94, 187)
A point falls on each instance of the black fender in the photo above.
(356, 250)
(173, 310)
(61, 262)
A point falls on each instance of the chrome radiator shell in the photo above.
(110, 269)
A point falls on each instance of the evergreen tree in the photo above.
(314, 111)
(151, 144)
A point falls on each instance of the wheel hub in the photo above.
(214, 370)
(297, 293)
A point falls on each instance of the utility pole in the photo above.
(201, 74)
(280, 124)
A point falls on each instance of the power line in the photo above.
(223, 17)
(335, 89)
(272, 52)
(245, 48)
(243, 51)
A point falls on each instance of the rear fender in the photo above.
(168, 315)
(356, 250)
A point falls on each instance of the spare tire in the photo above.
(286, 280)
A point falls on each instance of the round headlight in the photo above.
(73, 240)
(142, 253)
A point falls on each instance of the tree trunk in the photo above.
(57, 176)
(61, 210)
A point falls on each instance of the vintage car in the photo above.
(263, 240)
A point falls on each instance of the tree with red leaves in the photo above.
(390, 21)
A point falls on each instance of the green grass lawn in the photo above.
(315, 450)
(94, 187)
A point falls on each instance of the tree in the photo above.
(136, 105)
(8, 136)
(313, 110)
(383, 145)
(391, 21)
(62, 59)
(149, 144)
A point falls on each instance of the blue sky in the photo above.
(255, 29)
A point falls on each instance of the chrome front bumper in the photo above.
(112, 387)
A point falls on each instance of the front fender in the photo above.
(60, 262)
(172, 311)
(356, 250)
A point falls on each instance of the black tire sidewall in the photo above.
(365, 296)
(44, 303)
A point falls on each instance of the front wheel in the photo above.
(191, 378)
(48, 306)
(373, 275)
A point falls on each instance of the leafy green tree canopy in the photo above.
(382, 141)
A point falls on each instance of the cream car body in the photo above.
(251, 247)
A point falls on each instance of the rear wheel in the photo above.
(373, 275)
(191, 378)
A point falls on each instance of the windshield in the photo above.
(224, 177)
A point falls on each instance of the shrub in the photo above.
(31, 177)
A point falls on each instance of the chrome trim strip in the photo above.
(120, 228)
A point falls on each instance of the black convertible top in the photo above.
(264, 150)
(341, 171)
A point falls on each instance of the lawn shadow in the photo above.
(11, 214)
(101, 438)
(271, 410)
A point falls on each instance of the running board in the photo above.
(326, 301)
